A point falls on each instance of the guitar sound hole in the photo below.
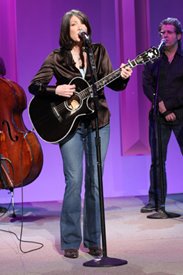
(73, 103)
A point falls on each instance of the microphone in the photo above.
(84, 36)
(162, 44)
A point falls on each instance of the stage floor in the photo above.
(153, 247)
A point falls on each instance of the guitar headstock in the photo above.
(146, 56)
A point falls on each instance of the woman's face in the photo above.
(75, 27)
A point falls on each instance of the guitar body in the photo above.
(55, 117)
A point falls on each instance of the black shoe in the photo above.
(95, 251)
(160, 214)
(71, 253)
(149, 207)
(3, 209)
(163, 214)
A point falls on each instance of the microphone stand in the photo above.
(156, 148)
(103, 261)
(158, 171)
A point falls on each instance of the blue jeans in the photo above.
(72, 152)
(158, 179)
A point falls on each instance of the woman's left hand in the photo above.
(126, 71)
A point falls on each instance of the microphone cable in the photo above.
(20, 239)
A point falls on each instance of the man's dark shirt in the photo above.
(170, 85)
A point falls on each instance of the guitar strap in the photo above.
(93, 66)
(93, 71)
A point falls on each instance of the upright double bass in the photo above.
(21, 156)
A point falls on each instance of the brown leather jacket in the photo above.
(59, 64)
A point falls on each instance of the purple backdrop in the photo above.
(32, 31)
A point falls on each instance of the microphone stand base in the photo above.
(105, 262)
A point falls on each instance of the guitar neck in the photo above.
(149, 55)
(114, 75)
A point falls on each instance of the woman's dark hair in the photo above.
(65, 40)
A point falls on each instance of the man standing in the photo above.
(163, 86)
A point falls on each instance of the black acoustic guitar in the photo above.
(54, 118)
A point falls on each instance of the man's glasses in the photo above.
(166, 32)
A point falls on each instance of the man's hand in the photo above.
(170, 117)
(162, 109)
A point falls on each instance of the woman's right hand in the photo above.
(65, 90)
